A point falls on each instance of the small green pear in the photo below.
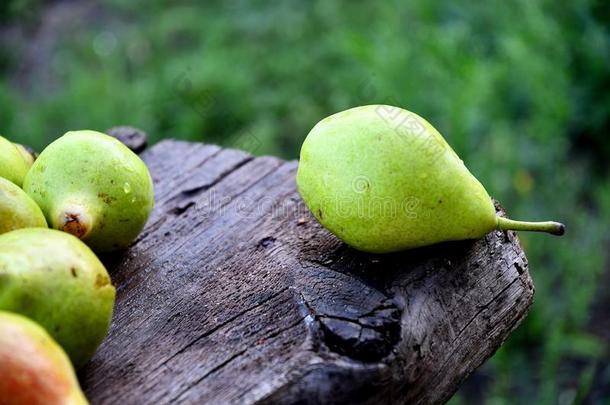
(17, 209)
(56, 280)
(34, 370)
(383, 180)
(92, 186)
(13, 167)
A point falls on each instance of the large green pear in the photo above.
(13, 166)
(383, 180)
(17, 209)
(92, 186)
(55, 279)
(34, 370)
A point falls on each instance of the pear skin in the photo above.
(17, 209)
(12, 165)
(383, 179)
(28, 155)
(34, 370)
(56, 280)
(92, 186)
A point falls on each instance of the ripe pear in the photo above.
(92, 186)
(56, 280)
(383, 179)
(34, 370)
(17, 209)
(13, 167)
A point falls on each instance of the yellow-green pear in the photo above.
(34, 370)
(383, 180)
(17, 209)
(92, 186)
(56, 280)
(13, 167)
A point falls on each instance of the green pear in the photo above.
(383, 180)
(17, 209)
(34, 370)
(12, 165)
(28, 155)
(92, 186)
(56, 280)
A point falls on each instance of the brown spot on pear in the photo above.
(17, 209)
(94, 187)
(34, 370)
(12, 165)
(54, 278)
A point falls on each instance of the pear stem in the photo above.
(554, 228)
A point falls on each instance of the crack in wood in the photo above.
(212, 371)
(205, 187)
(221, 207)
(221, 325)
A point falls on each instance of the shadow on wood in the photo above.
(234, 293)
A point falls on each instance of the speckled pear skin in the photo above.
(17, 209)
(34, 370)
(91, 185)
(12, 165)
(56, 280)
(383, 180)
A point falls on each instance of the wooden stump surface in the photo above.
(233, 293)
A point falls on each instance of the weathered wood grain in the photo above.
(233, 293)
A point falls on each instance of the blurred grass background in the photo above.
(520, 89)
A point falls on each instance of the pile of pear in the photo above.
(85, 193)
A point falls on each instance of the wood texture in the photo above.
(233, 293)
(134, 138)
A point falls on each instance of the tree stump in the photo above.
(233, 293)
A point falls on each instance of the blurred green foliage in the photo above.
(520, 89)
